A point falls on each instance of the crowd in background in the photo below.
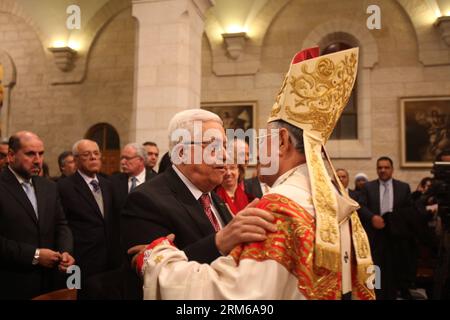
(403, 227)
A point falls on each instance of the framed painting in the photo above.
(238, 115)
(235, 115)
(425, 129)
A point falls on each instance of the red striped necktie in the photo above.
(205, 201)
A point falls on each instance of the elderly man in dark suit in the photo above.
(181, 200)
(387, 211)
(87, 199)
(134, 173)
(34, 236)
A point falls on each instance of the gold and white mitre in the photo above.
(313, 95)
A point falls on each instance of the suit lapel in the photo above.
(41, 200)
(149, 174)
(106, 195)
(15, 189)
(190, 204)
(82, 187)
(222, 208)
(376, 192)
(396, 193)
(123, 184)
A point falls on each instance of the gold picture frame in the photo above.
(425, 129)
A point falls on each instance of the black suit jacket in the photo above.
(120, 187)
(370, 205)
(165, 205)
(354, 194)
(253, 187)
(96, 237)
(21, 233)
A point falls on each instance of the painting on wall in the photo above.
(238, 115)
(425, 129)
(235, 115)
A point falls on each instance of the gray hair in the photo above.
(295, 134)
(185, 120)
(140, 150)
(76, 144)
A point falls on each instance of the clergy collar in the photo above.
(302, 168)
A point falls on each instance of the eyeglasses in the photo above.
(128, 158)
(214, 145)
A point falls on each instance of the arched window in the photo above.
(347, 126)
(108, 141)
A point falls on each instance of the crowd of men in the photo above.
(91, 220)
(401, 227)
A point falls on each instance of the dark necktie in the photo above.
(205, 201)
(98, 195)
(133, 183)
(95, 185)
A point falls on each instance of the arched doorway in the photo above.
(108, 141)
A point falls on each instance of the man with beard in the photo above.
(35, 240)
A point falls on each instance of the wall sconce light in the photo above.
(64, 57)
(443, 25)
(235, 43)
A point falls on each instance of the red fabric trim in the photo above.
(140, 257)
(306, 54)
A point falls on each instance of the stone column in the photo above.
(167, 64)
(8, 82)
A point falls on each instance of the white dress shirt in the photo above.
(140, 179)
(88, 180)
(197, 193)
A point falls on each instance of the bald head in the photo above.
(16, 140)
(26, 153)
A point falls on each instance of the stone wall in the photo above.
(62, 114)
(397, 73)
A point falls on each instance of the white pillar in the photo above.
(167, 64)
(8, 82)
